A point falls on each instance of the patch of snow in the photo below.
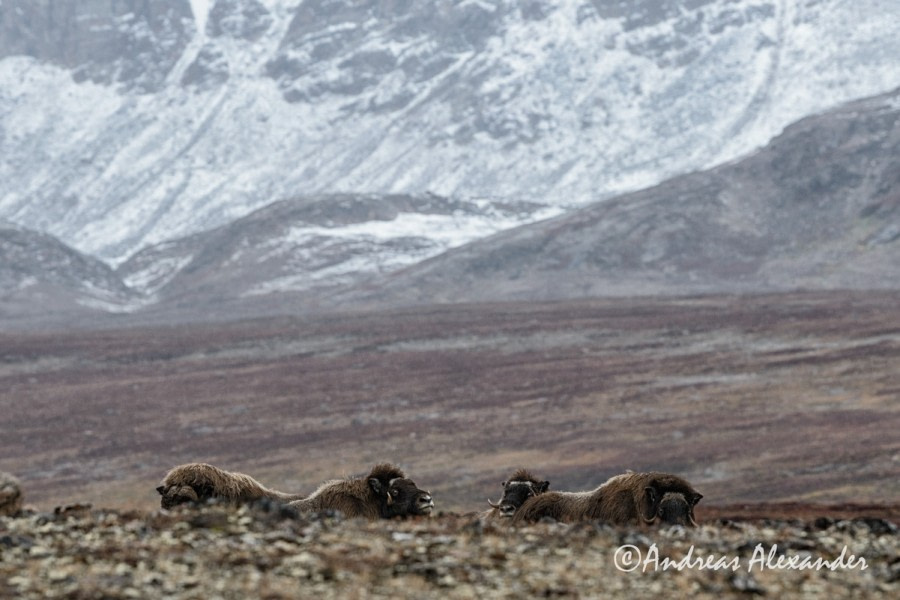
(376, 246)
(201, 9)
(157, 274)
(27, 282)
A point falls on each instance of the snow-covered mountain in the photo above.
(816, 208)
(123, 126)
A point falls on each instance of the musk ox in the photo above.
(198, 482)
(10, 495)
(385, 493)
(629, 498)
(521, 486)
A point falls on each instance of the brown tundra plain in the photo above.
(761, 399)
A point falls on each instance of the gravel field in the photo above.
(265, 551)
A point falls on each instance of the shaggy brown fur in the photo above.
(10, 495)
(384, 493)
(630, 498)
(521, 486)
(198, 482)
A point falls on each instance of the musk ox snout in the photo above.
(504, 509)
(425, 503)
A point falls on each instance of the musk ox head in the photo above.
(516, 490)
(675, 509)
(177, 494)
(669, 499)
(398, 496)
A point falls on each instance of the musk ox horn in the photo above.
(493, 504)
(652, 499)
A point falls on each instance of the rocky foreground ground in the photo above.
(262, 551)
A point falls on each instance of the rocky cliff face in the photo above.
(132, 44)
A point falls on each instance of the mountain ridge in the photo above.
(818, 208)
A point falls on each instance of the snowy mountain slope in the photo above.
(817, 208)
(150, 132)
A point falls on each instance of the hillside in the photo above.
(40, 276)
(312, 245)
(817, 208)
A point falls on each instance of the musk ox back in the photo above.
(630, 498)
(198, 482)
(638, 498)
(385, 493)
(521, 486)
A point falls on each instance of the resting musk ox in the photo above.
(521, 486)
(385, 493)
(10, 495)
(198, 482)
(630, 498)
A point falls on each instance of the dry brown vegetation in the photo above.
(775, 398)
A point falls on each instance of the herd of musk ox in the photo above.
(386, 493)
